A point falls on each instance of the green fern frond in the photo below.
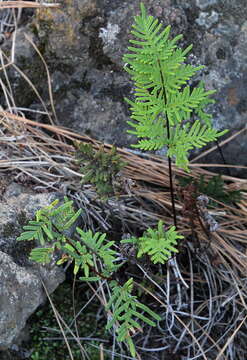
(41, 228)
(200, 110)
(150, 144)
(82, 253)
(157, 243)
(146, 124)
(184, 139)
(38, 230)
(65, 216)
(126, 310)
(163, 97)
(181, 104)
(180, 77)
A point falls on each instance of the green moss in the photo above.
(87, 325)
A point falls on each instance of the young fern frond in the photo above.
(157, 243)
(126, 310)
(163, 98)
(49, 226)
(65, 216)
(41, 228)
(88, 250)
(37, 230)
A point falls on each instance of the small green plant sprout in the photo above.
(99, 167)
(125, 312)
(157, 243)
(164, 101)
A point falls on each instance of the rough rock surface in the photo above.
(21, 290)
(83, 42)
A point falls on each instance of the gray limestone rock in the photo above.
(21, 292)
(21, 289)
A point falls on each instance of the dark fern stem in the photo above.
(222, 156)
(169, 159)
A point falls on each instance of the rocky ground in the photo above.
(82, 43)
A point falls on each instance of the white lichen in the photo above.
(109, 34)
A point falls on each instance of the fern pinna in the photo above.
(164, 102)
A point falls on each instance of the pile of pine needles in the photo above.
(202, 293)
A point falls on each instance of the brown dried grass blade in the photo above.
(26, 4)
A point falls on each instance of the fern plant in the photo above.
(89, 252)
(164, 102)
(161, 116)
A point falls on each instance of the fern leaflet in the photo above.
(97, 244)
(184, 139)
(126, 309)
